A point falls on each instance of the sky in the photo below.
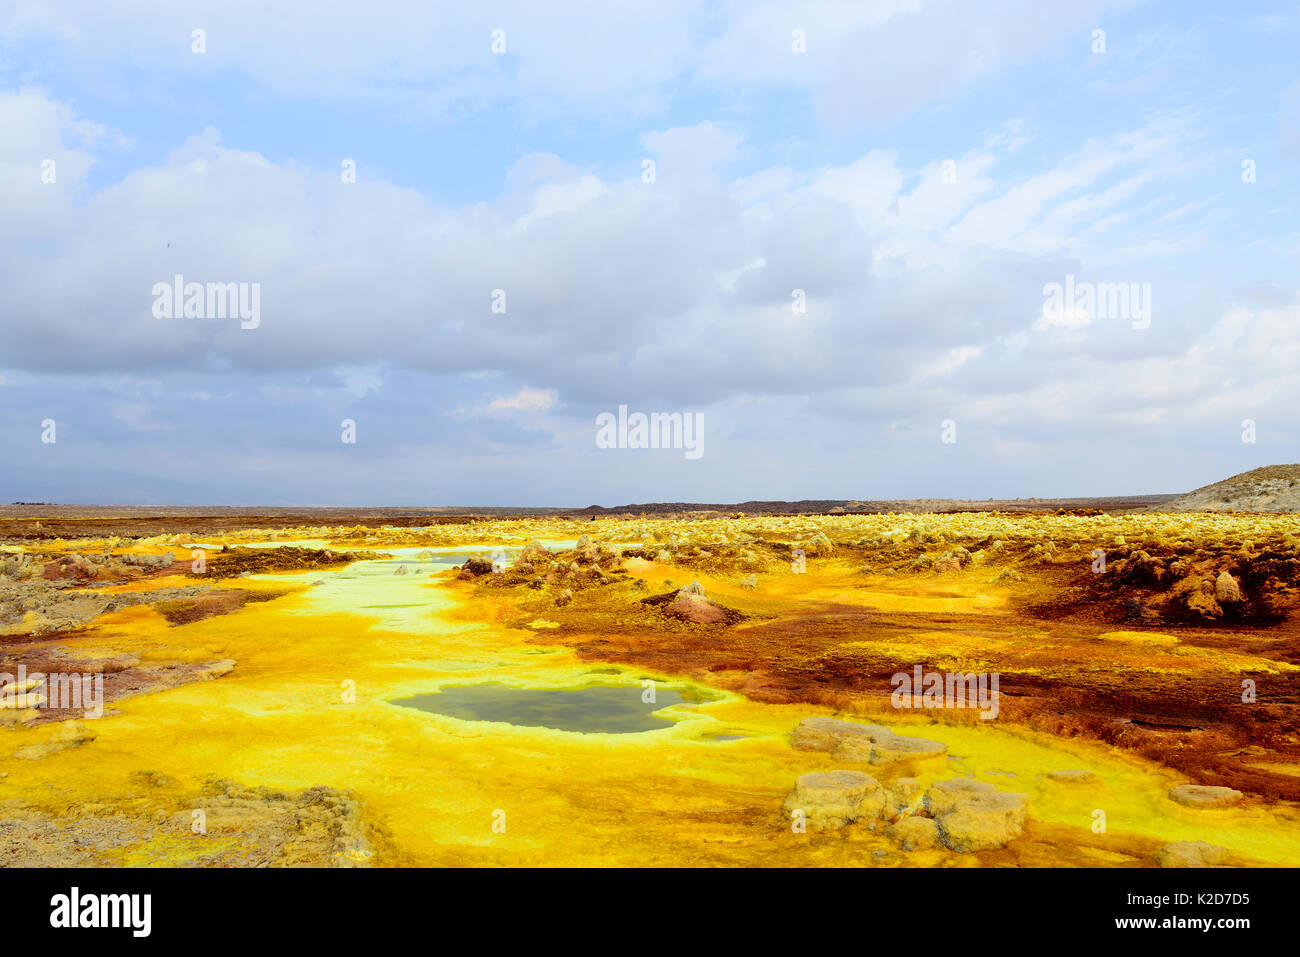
(836, 235)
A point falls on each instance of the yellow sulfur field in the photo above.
(269, 731)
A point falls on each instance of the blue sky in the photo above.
(776, 170)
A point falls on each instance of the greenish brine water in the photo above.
(591, 710)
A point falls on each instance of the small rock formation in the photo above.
(862, 743)
(901, 748)
(975, 816)
(961, 814)
(1226, 589)
(832, 799)
(692, 605)
(218, 668)
(819, 544)
(1073, 776)
(699, 611)
(1203, 795)
(534, 551)
(474, 567)
(855, 749)
(903, 796)
(70, 734)
(1191, 854)
(914, 833)
(1200, 597)
(17, 566)
(749, 581)
(72, 567)
(564, 597)
(825, 734)
(152, 779)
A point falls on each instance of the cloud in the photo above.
(679, 291)
(696, 148)
(867, 62)
(538, 400)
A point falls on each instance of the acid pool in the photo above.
(594, 709)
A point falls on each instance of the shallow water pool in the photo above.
(595, 709)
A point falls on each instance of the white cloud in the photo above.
(533, 400)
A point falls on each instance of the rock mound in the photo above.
(699, 611)
(961, 814)
(475, 567)
(974, 815)
(914, 833)
(833, 799)
(1203, 795)
(1273, 488)
(1226, 589)
(862, 743)
(690, 604)
(70, 734)
(1073, 776)
(1191, 854)
(534, 551)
